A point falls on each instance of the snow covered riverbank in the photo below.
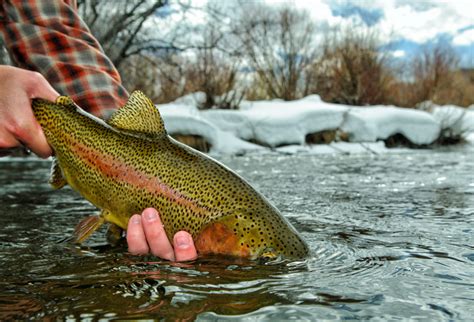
(287, 125)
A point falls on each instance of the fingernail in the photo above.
(136, 219)
(151, 215)
(183, 241)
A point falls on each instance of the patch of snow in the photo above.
(283, 123)
(470, 138)
(372, 123)
(276, 122)
(460, 121)
(180, 119)
(235, 122)
(230, 144)
(312, 98)
(187, 120)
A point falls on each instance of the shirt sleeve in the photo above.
(49, 37)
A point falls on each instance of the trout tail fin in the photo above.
(86, 227)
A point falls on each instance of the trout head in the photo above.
(252, 234)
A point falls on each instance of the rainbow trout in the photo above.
(130, 163)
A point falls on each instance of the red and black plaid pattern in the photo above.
(49, 37)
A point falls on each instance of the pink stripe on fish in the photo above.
(117, 170)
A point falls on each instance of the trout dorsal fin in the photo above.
(139, 115)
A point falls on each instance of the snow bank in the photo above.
(275, 123)
(285, 125)
(186, 120)
(458, 120)
(372, 123)
(234, 122)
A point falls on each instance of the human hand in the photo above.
(17, 122)
(145, 234)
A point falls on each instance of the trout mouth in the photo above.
(268, 253)
(270, 256)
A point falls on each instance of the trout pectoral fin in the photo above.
(90, 224)
(87, 226)
(57, 180)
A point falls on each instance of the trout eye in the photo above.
(268, 254)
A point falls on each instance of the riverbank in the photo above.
(312, 125)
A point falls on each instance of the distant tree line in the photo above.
(255, 51)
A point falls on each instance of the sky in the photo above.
(405, 25)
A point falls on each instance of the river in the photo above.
(391, 237)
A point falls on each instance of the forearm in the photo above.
(50, 38)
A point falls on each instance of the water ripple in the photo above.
(390, 238)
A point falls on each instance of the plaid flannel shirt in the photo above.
(49, 37)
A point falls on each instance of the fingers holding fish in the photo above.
(17, 123)
(136, 238)
(156, 236)
(24, 131)
(38, 87)
(184, 249)
(146, 233)
(7, 141)
(36, 140)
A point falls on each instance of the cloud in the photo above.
(464, 38)
(417, 5)
(369, 16)
(405, 22)
(318, 9)
(420, 21)
(398, 53)
(417, 21)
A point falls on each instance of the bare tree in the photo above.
(433, 76)
(123, 26)
(433, 72)
(216, 76)
(278, 45)
(214, 71)
(141, 72)
(155, 56)
(353, 69)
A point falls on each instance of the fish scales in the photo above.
(130, 163)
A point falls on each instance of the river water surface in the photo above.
(391, 235)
